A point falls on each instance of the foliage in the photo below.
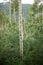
(33, 39)
(9, 45)
(4, 19)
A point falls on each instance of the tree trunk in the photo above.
(10, 11)
(20, 29)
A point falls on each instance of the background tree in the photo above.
(14, 6)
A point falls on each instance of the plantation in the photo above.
(11, 36)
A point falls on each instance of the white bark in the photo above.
(20, 29)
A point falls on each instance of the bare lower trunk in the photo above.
(20, 29)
